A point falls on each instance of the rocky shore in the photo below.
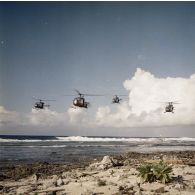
(109, 175)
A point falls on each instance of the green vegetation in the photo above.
(154, 172)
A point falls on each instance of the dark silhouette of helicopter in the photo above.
(41, 104)
(169, 107)
(116, 99)
(80, 100)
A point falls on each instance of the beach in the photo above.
(97, 98)
(116, 174)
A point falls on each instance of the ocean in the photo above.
(56, 149)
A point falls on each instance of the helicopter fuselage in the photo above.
(169, 108)
(116, 100)
(80, 102)
(39, 105)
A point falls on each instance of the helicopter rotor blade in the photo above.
(47, 100)
(86, 94)
(40, 99)
(169, 102)
(78, 92)
(175, 102)
(92, 94)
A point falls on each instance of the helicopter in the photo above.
(80, 100)
(40, 104)
(169, 107)
(116, 99)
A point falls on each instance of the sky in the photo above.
(144, 50)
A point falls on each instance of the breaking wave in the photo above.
(95, 139)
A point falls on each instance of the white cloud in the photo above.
(141, 110)
(79, 117)
(144, 107)
(46, 117)
(8, 118)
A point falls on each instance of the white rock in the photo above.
(24, 190)
(179, 186)
(49, 183)
(132, 171)
(33, 178)
(60, 182)
(153, 187)
(106, 163)
(54, 177)
(106, 160)
(66, 181)
(138, 193)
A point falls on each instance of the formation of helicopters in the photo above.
(80, 101)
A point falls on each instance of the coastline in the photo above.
(105, 175)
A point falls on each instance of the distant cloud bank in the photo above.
(144, 107)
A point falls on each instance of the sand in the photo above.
(108, 175)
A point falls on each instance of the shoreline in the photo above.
(34, 178)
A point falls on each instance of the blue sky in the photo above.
(50, 48)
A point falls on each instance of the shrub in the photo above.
(162, 171)
(151, 173)
(146, 173)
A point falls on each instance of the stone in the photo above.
(49, 183)
(133, 171)
(87, 192)
(179, 186)
(106, 163)
(160, 190)
(24, 190)
(138, 193)
(130, 186)
(136, 188)
(54, 177)
(106, 160)
(33, 178)
(153, 187)
(51, 193)
(60, 182)
(116, 162)
(66, 181)
(127, 162)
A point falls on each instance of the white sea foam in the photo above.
(190, 139)
(102, 139)
(54, 146)
(110, 139)
(24, 140)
